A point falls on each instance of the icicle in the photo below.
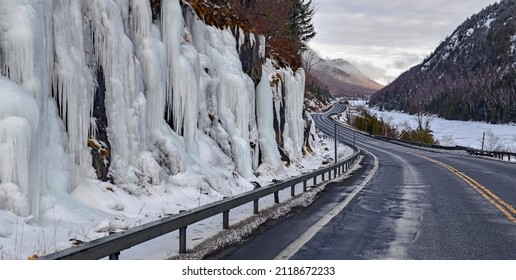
(261, 39)
(241, 38)
(232, 97)
(294, 97)
(252, 39)
(152, 56)
(197, 30)
(188, 87)
(172, 28)
(73, 82)
(183, 76)
(264, 113)
(125, 108)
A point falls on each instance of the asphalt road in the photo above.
(404, 203)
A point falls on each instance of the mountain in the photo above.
(343, 79)
(470, 76)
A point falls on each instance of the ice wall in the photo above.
(293, 135)
(19, 119)
(176, 100)
(73, 85)
(265, 116)
(26, 58)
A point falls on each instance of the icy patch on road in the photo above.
(406, 227)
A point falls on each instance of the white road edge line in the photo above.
(294, 247)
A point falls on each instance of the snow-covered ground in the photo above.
(468, 134)
(88, 214)
(451, 133)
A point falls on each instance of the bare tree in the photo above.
(423, 131)
(493, 142)
(447, 140)
(310, 58)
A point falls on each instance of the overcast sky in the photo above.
(385, 38)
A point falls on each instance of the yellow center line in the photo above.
(504, 207)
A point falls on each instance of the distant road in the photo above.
(404, 203)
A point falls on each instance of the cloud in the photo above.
(396, 34)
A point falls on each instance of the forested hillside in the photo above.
(470, 76)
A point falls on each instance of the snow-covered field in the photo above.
(468, 134)
(451, 133)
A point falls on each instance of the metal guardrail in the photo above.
(476, 152)
(493, 154)
(113, 244)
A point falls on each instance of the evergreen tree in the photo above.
(300, 22)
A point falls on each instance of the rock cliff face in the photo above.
(252, 53)
(140, 93)
(470, 76)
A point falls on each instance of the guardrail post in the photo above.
(115, 256)
(255, 206)
(225, 219)
(276, 197)
(323, 176)
(335, 143)
(182, 240)
(304, 186)
(293, 190)
(315, 181)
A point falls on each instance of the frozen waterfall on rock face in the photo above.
(25, 57)
(176, 102)
(294, 87)
(265, 115)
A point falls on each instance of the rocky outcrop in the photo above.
(250, 55)
(99, 142)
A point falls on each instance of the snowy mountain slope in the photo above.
(470, 76)
(343, 79)
(108, 108)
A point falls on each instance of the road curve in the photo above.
(406, 203)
